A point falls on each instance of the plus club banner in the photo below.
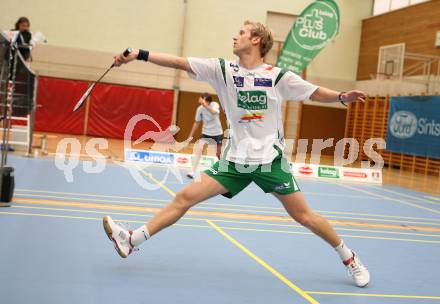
(414, 126)
(315, 27)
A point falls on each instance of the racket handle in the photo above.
(127, 52)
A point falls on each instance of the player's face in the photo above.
(24, 26)
(242, 40)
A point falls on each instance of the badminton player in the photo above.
(250, 93)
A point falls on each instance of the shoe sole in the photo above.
(108, 230)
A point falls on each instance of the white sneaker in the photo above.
(190, 175)
(120, 237)
(357, 270)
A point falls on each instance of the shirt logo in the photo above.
(251, 116)
(252, 100)
(238, 81)
(234, 67)
(262, 82)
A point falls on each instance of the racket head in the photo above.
(83, 98)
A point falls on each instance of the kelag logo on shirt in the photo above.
(252, 100)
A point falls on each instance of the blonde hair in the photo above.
(266, 38)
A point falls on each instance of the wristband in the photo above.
(340, 98)
(143, 55)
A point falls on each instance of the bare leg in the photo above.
(198, 154)
(219, 151)
(297, 208)
(184, 200)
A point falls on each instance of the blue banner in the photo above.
(414, 126)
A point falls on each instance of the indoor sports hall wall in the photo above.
(415, 25)
(110, 26)
(57, 97)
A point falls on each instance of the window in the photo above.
(384, 6)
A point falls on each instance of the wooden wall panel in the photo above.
(320, 122)
(415, 25)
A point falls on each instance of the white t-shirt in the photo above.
(252, 102)
(211, 122)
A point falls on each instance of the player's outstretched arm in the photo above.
(165, 60)
(326, 95)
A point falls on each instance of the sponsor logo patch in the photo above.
(252, 116)
(305, 170)
(329, 172)
(234, 67)
(262, 82)
(238, 81)
(375, 175)
(150, 157)
(403, 124)
(182, 160)
(252, 100)
(282, 186)
(355, 174)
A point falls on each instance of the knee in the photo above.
(183, 200)
(306, 219)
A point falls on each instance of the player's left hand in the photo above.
(354, 96)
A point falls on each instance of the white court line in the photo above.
(392, 199)
(406, 195)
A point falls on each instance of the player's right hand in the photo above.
(121, 59)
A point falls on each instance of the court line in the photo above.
(208, 207)
(200, 226)
(164, 187)
(283, 279)
(226, 221)
(193, 212)
(222, 204)
(90, 218)
(391, 199)
(434, 198)
(226, 228)
(405, 195)
(372, 295)
(341, 235)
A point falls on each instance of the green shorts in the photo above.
(273, 177)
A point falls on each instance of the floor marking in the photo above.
(91, 218)
(391, 199)
(404, 195)
(293, 225)
(164, 187)
(432, 198)
(217, 214)
(206, 206)
(225, 228)
(372, 295)
(341, 235)
(223, 204)
(298, 290)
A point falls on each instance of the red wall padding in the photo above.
(55, 101)
(112, 106)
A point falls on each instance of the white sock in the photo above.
(139, 236)
(344, 252)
